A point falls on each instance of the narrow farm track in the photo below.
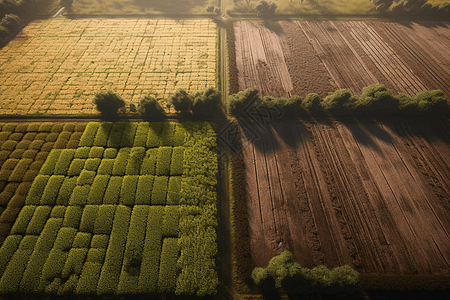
(367, 186)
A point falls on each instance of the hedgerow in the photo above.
(38, 220)
(58, 211)
(88, 218)
(82, 240)
(144, 190)
(80, 195)
(159, 192)
(168, 273)
(20, 169)
(65, 238)
(134, 165)
(113, 190)
(9, 247)
(74, 263)
(106, 166)
(176, 165)
(51, 190)
(148, 277)
(100, 241)
(76, 166)
(32, 274)
(128, 135)
(65, 191)
(154, 135)
(96, 152)
(171, 221)
(82, 152)
(140, 139)
(163, 161)
(109, 277)
(115, 136)
(167, 133)
(110, 153)
(87, 139)
(52, 268)
(70, 285)
(98, 189)
(128, 191)
(92, 164)
(72, 217)
(90, 275)
(96, 255)
(62, 166)
(86, 177)
(24, 218)
(121, 161)
(101, 138)
(149, 162)
(50, 162)
(173, 190)
(104, 222)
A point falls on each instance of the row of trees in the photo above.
(413, 7)
(375, 101)
(299, 282)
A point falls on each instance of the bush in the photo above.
(23, 219)
(106, 166)
(86, 177)
(51, 190)
(154, 135)
(7, 250)
(76, 166)
(128, 134)
(9, 283)
(48, 235)
(140, 139)
(206, 103)
(167, 133)
(96, 255)
(150, 108)
(181, 101)
(80, 195)
(89, 278)
(62, 166)
(407, 105)
(108, 103)
(134, 165)
(128, 192)
(173, 190)
(168, 272)
(50, 162)
(58, 211)
(159, 191)
(98, 189)
(265, 9)
(32, 274)
(104, 222)
(66, 190)
(311, 103)
(121, 161)
(237, 103)
(65, 238)
(100, 241)
(110, 153)
(144, 190)
(74, 263)
(82, 240)
(113, 190)
(432, 103)
(96, 152)
(380, 100)
(87, 139)
(92, 164)
(170, 221)
(149, 162)
(82, 153)
(101, 138)
(37, 223)
(115, 136)
(163, 161)
(176, 165)
(263, 280)
(339, 103)
(179, 135)
(52, 268)
(20, 169)
(73, 216)
(88, 219)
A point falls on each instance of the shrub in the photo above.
(51, 190)
(150, 108)
(167, 133)
(135, 161)
(58, 211)
(163, 161)
(89, 278)
(121, 161)
(98, 189)
(48, 235)
(144, 190)
(82, 152)
(173, 190)
(80, 195)
(100, 241)
(82, 240)
(74, 263)
(311, 103)
(407, 105)
(76, 166)
(50, 163)
(101, 138)
(65, 191)
(88, 218)
(181, 101)
(24, 218)
(73, 216)
(128, 134)
(86, 177)
(346, 280)
(110, 153)
(148, 277)
(92, 164)
(237, 103)
(140, 139)
(176, 165)
(206, 103)
(69, 286)
(24, 144)
(65, 238)
(87, 139)
(432, 102)
(32, 274)
(108, 102)
(170, 221)
(104, 222)
(168, 272)
(113, 190)
(7, 250)
(36, 144)
(20, 169)
(96, 255)
(38, 220)
(380, 99)
(115, 136)
(159, 191)
(339, 102)
(96, 152)
(265, 9)
(52, 268)
(128, 192)
(179, 135)
(149, 162)
(106, 166)
(263, 280)
(62, 166)
(154, 135)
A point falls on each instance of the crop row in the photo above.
(24, 147)
(99, 249)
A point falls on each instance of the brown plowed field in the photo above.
(286, 58)
(374, 196)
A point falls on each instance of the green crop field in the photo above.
(115, 216)
(56, 66)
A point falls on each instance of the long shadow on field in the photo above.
(256, 133)
(361, 136)
(170, 6)
(431, 23)
(274, 26)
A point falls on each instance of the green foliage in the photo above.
(88, 218)
(115, 136)
(37, 189)
(82, 240)
(9, 145)
(73, 216)
(80, 195)
(171, 221)
(96, 255)
(407, 106)
(144, 189)
(149, 108)
(263, 280)
(87, 139)
(101, 138)
(24, 218)
(89, 278)
(113, 190)
(181, 101)
(104, 222)
(74, 263)
(50, 163)
(58, 211)
(92, 164)
(108, 102)
(106, 166)
(346, 280)
(9, 247)
(20, 169)
(98, 189)
(128, 192)
(149, 162)
(38, 220)
(379, 99)
(140, 139)
(238, 102)
(432, 102)
(168, 272)
(70, 285)
(206, 103)
(62, 166)
(52, 268)
(121, 161)
(51, 190)
(311, 103)
(339, 103)
(100, 241)
(32, 274)
(137, 155)
(86, 178)
(128, 134)
(82, 152)
(167, 133)
(173, 190)
(76, 166)
(176, 166)
(163, 161)
(179, 135)
(96, 152)
(154, 135)
(159, 191)
(66, 190)
(65, 238)
(110, 153)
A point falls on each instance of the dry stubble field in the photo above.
(55, 66)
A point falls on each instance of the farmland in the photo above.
(55, 66)
(296, 58)
(123, 212)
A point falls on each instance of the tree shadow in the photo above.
(274, 26)
(170, 6)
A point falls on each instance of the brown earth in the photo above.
(286, 58)
(375, 196)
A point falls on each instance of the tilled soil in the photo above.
(286, 58)
(371, 195)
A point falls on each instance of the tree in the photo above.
(150, 108)
(108, 102)
(265, 9)
(206, 103)
(181, 101)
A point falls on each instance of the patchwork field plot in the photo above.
(55, 66)
(129, 211)
(300, 57)
(373, 196)
(24, 149)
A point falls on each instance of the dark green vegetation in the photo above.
(113, 216)
(375, 101)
